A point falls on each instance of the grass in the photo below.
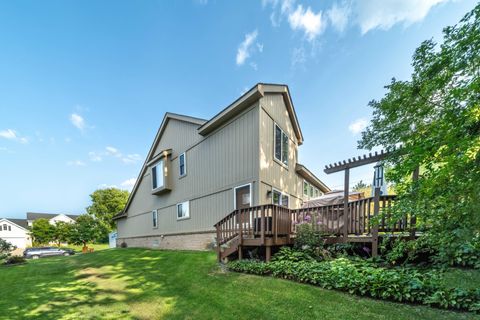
(149, 284)
(95, 246)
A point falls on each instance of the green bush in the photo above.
(289, 254)
(366, 279)
(15, 260)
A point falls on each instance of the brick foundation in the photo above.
(195, 241)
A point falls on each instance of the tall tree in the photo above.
(105, 204)
(62, 232)
(86, 229)
(42, 231)
(435, 117)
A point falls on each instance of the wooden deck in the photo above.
(270, 225)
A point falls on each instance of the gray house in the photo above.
(198, 171)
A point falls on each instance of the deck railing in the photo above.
(274, 221)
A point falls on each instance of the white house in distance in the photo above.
(16, 231)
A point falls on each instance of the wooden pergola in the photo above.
(359, 161)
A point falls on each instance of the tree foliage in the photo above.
(5, 249)
(435, 117)
(85, 230)
(42, 231)
(105, 204)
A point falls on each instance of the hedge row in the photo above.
(365, 279)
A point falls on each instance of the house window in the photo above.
(182, 166)
(281, 145)
(9, 228)
(279, 198)
(157, 175)
(5, 227)
(305, 188)
(183, 210)
(155, 218)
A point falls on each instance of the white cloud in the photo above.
(338, 16)
(131, 158)
(381, 14)
(11, 134)
(367, 14)
(309, 22)
(113, 152)
(358, 126)
(76, 163)
(128, 184)
(245, 48)
(78, 121)
(95, 157)
(107, 186)
(299, 56)
(8, 134)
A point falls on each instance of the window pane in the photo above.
(311, 191)
(154, 218)
(305, 188)
(159, 174)
(278, 143)
(182, 164)
(276, 197)
(284, 200)
(179, 210)
(285, 149)
(154, 177)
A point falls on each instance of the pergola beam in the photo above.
(353, 163)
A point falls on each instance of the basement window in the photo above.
(281, 145)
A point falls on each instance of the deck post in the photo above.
(240, 252)
(413, 218)
(262, 225)
(345, 204)
(376, 210)
(268, 253)
(219, 252)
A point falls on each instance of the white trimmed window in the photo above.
(5, 227)
(280, 198)
(310, 191)
(183, 210)
(155, 218)
(281, 145)
(182, 165)
(157, 175)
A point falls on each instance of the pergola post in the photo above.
(345, 204)
(376, 210)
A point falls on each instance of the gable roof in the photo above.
(246, 100)
(38, 215)
(310, 177)
(22, 223)
(168, 116)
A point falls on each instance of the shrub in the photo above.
(15, 260)
(5, 249)
(289, 254)
(364, 278)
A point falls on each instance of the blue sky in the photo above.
(84, 84)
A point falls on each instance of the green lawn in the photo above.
(148, 284)
(96, 247)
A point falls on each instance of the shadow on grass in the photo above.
(151, 284)
(114, 284)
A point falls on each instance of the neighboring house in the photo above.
(51, 217)
(16, 231)
(198, 171)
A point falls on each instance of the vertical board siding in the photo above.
(226, 158)
(178, 135)
(273, 110)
